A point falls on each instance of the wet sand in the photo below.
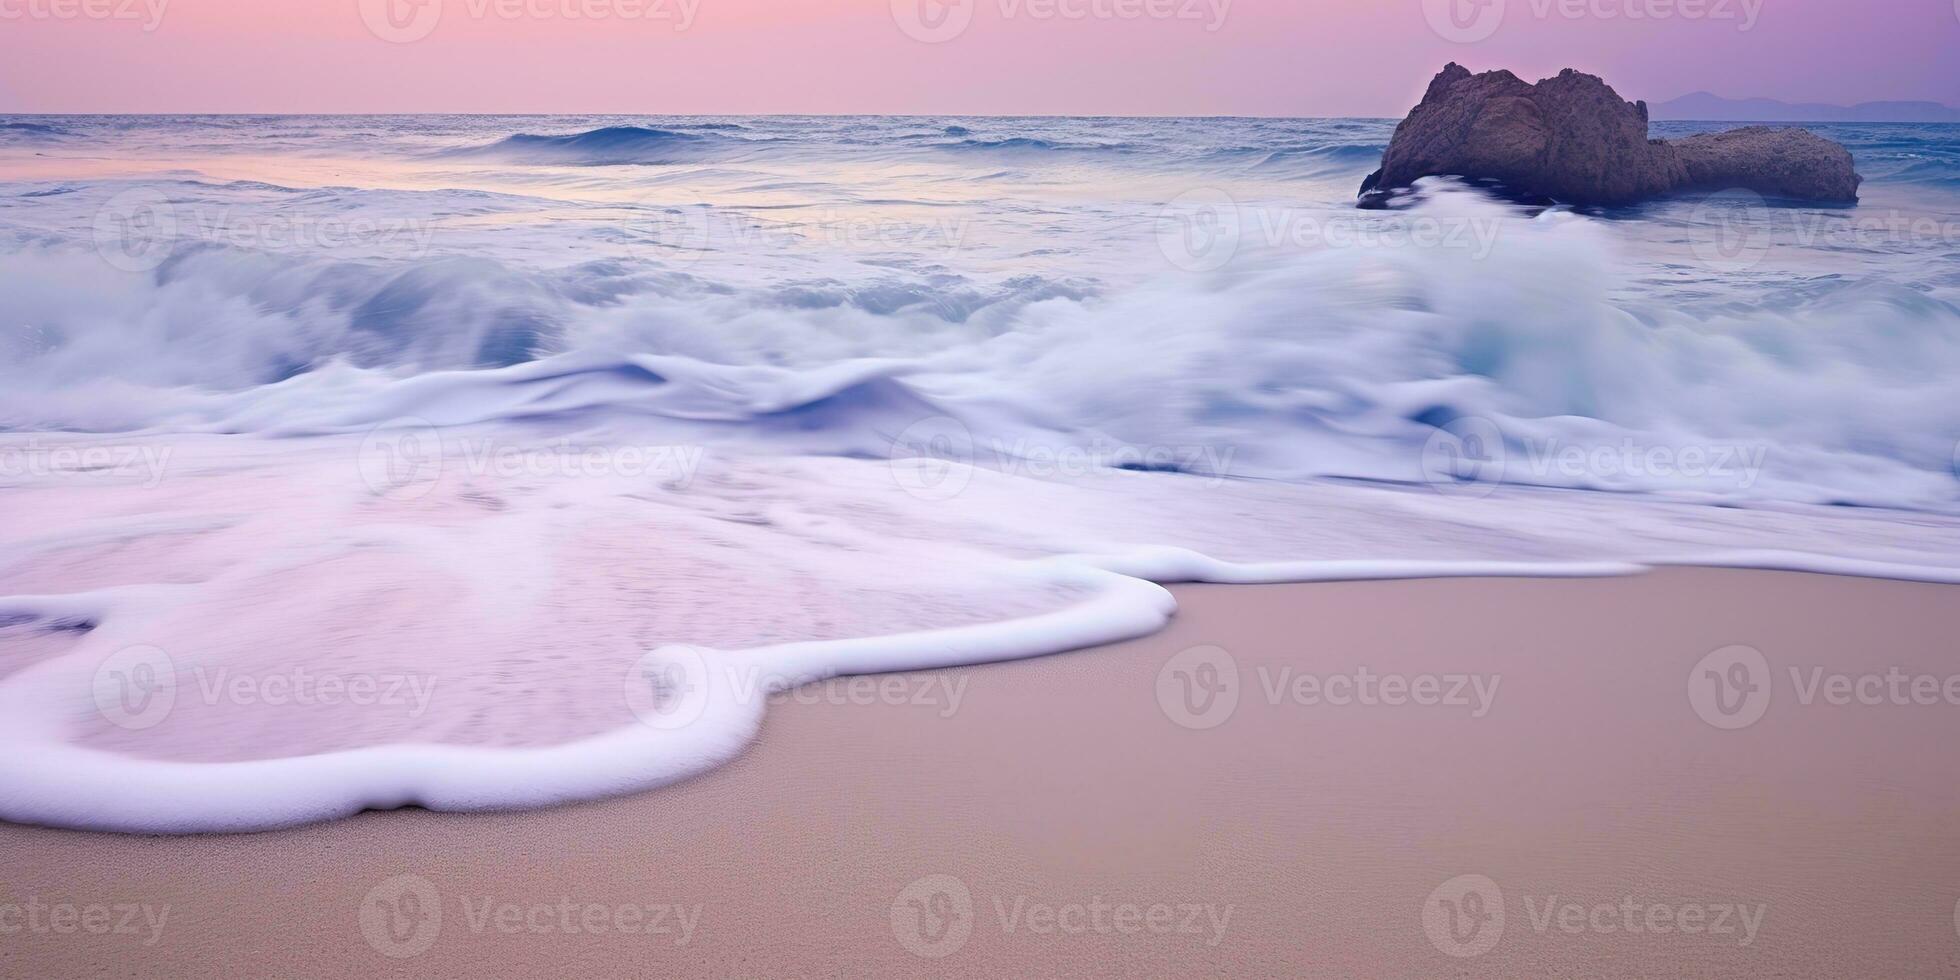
(1343, 780)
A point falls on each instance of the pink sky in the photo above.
(1265, 57)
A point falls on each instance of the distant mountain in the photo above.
(1703, 105)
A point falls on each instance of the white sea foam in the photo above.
(1340, 362)
(780, 400)
(526, 607)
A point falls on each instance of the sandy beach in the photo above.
(1478, 778)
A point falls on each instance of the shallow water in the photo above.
(481, 410)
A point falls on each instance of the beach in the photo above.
(1479, 778)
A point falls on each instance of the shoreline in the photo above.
(725, 696)
(1090, 806)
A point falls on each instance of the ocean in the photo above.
(530, 419)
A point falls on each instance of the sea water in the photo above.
(481, 462)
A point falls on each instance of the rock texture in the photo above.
(1793, 163)
(1573, 139)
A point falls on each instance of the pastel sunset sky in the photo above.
(1127, 57)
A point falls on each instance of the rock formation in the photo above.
(1573, 139)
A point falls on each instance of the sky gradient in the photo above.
(1117, 57)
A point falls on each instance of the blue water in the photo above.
(199, 272)
(540, 405)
